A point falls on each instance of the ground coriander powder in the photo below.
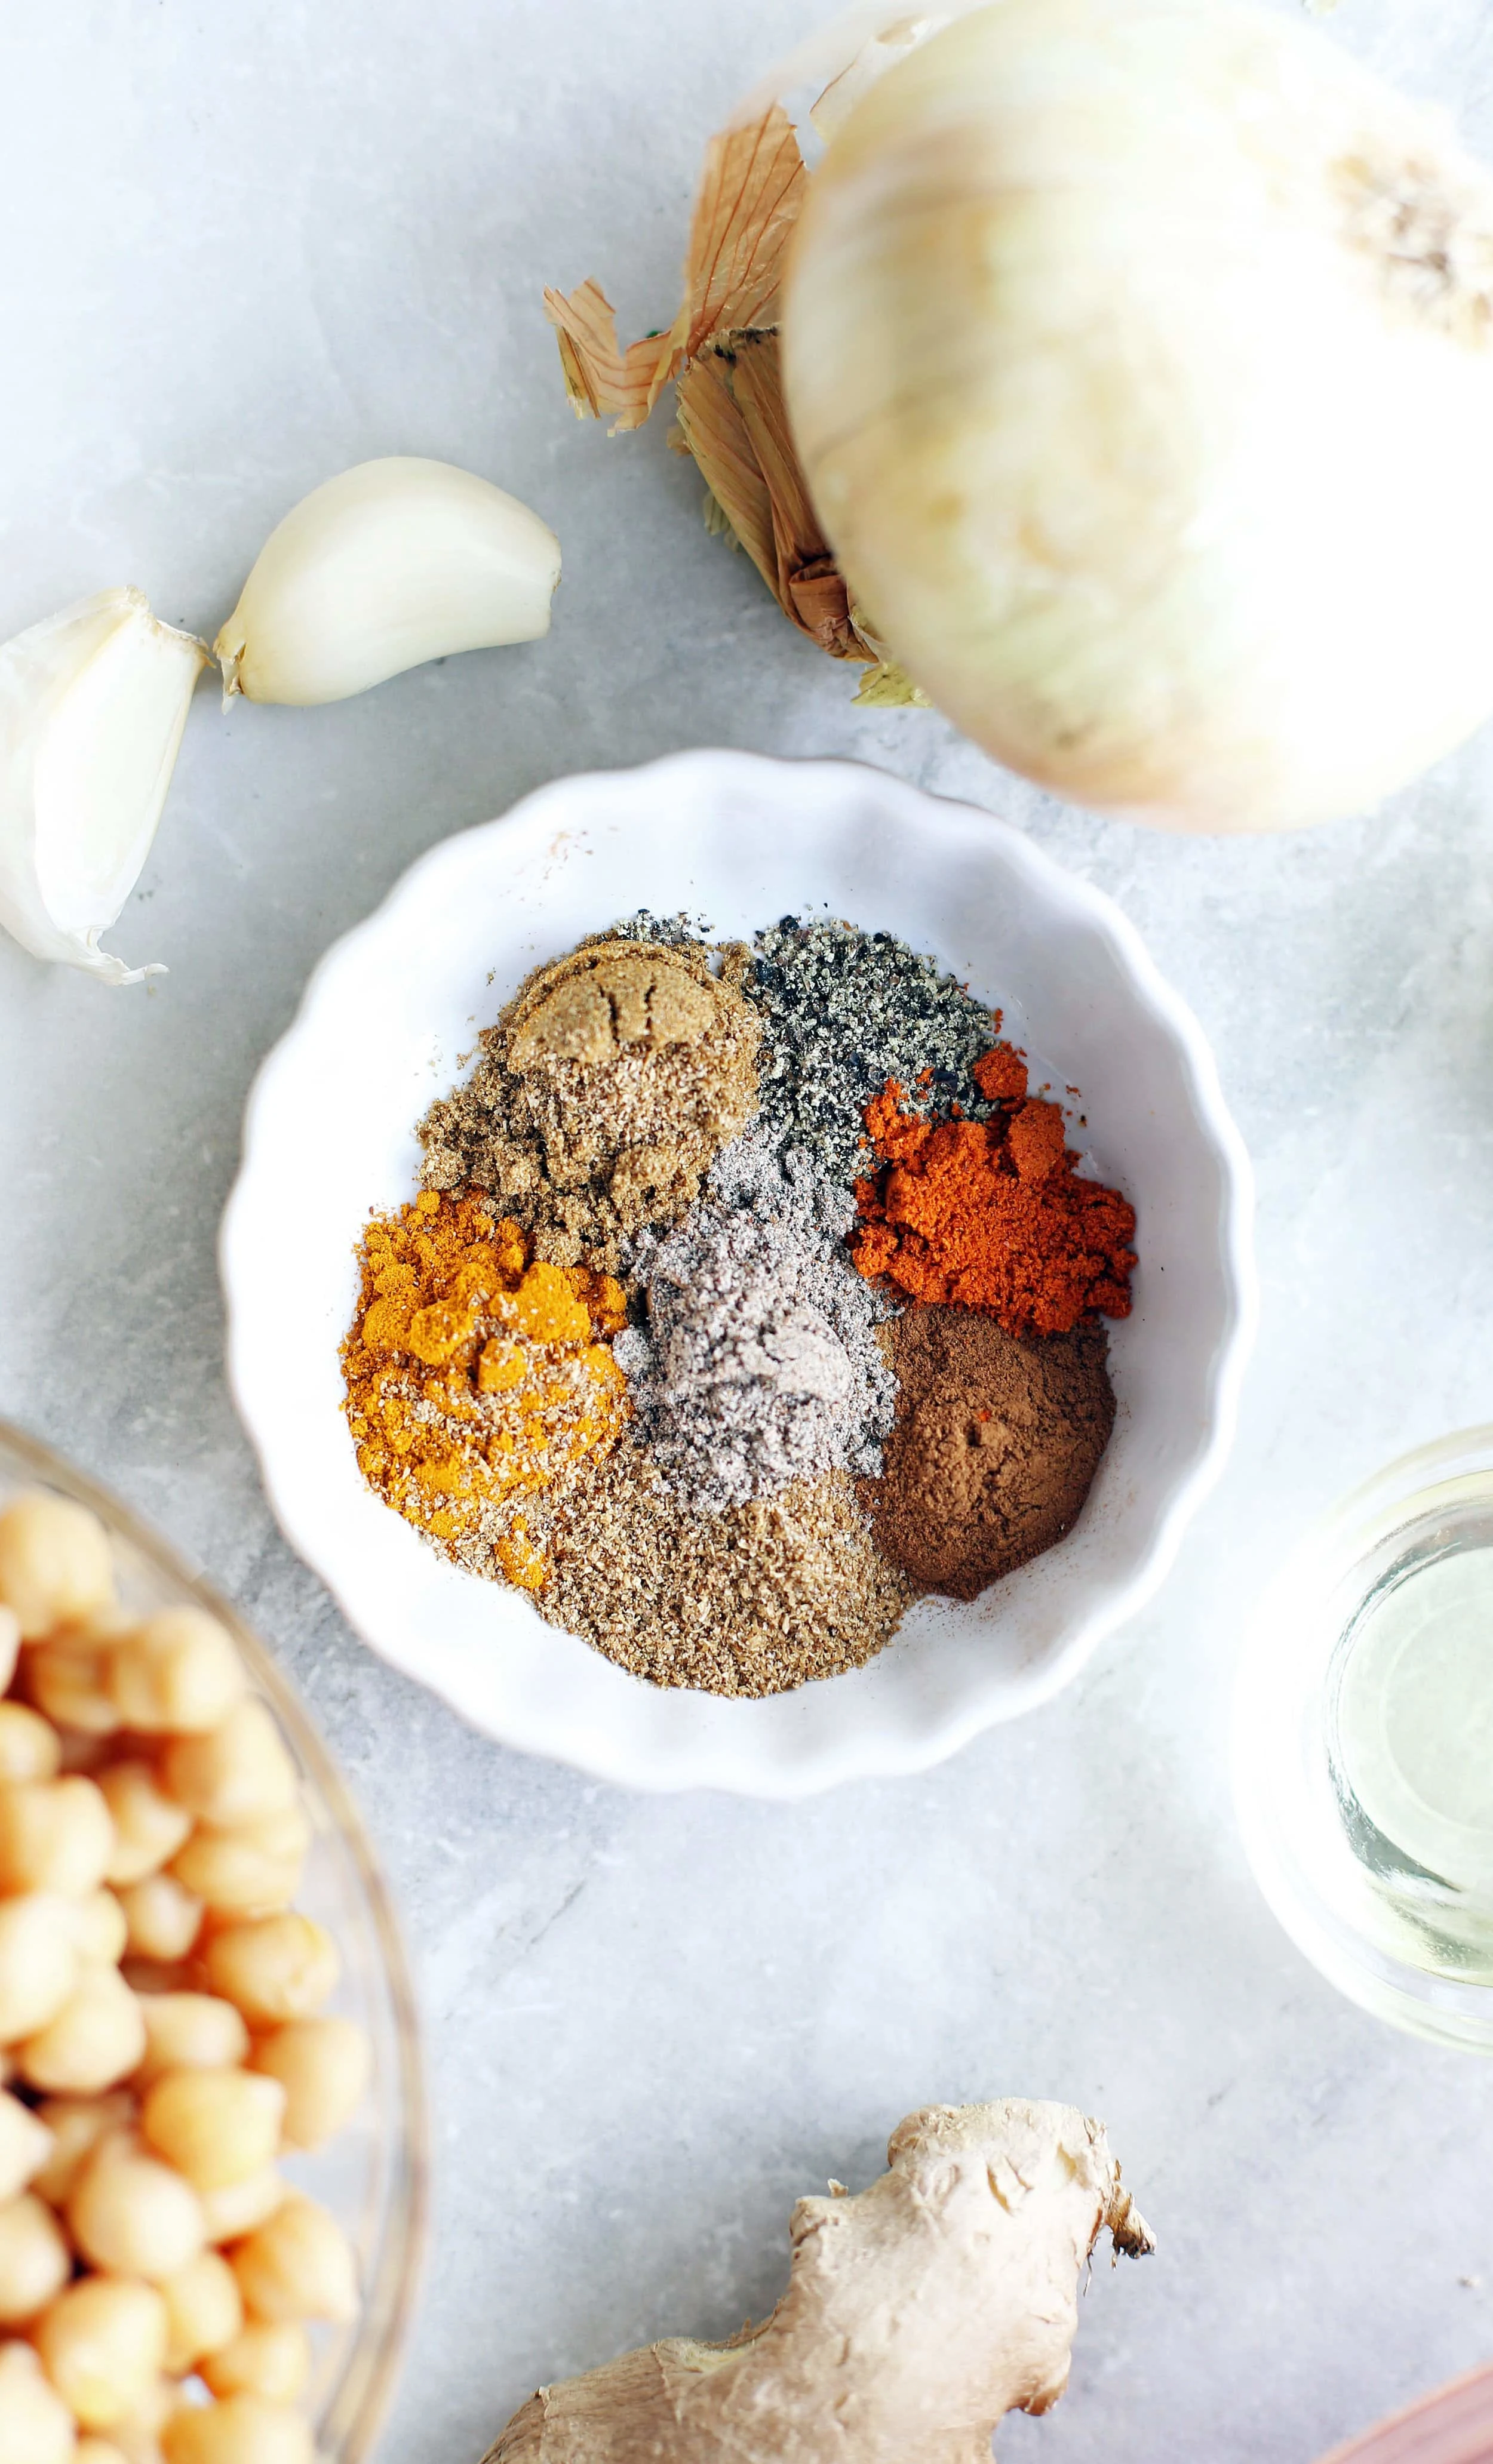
(753, 1600)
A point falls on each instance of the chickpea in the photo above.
(253, 1868)
(187, 2032)
(54, 1562)
(236, 1773)
(34, 2259)
(29, 1747)
(95, 2038)
(162, 1918)
(138, 2435)
(10, 1645)
(275, 1968)
(25, 2145)
(100, 1933)
(204, 2311)
(244, 2206)
(132, 2215)
(177, 1674)
(77, 2126)
(98, 2450)
(38, 1963)
(241, 2429)
(274, 2361)
(149, 1825)
(298, 2265)
(216, 2126)
(322, 2065)
(68, 1678)
(36, 2425)
(56, 1834)
(102, 2343)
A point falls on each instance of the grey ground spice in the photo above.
(670, 930)
(603, 1093)
(844, 1011)
(759, 1363)
(754, 1601)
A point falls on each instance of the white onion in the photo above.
(1139, 355)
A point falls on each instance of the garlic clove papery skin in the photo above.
(389, 564)
(1139, 355)
(93, 702)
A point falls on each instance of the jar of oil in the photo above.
(1364, 1743)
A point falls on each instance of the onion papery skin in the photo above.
(1139, 356)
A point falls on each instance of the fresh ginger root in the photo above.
(916, 2314)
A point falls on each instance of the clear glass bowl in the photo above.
(1363, 1774)
(373, 2175)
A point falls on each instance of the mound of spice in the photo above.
(759, 1365)
(603, 1094)
(994, 1449)
(845, 1010)
(753, 1600)
(992, 1214)
(477, 1376)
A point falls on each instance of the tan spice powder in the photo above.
(754, 1601)
(605, 1090)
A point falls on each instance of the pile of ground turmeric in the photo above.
(477, 1375)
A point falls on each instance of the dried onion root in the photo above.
(721, 349)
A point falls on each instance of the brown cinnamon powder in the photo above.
(995, 1445)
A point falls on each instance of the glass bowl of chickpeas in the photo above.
(212, 2151)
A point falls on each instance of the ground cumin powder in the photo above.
(753, 1600)
(995, 1445)
(605, 1090)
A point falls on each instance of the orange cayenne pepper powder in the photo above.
(477, 1375)
(991, 1215)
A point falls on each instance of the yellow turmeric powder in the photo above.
(477, 1375)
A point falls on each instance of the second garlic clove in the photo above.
(93, 702)
(392, 564)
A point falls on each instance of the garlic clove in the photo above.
(392, 564)
(93, 702)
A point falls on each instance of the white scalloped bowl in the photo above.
(386, 1021)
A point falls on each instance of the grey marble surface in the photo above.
(241, 250)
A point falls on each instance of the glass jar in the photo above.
(1363, 1742)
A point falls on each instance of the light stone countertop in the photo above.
(243, 248)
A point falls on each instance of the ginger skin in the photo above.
(916, 2316)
